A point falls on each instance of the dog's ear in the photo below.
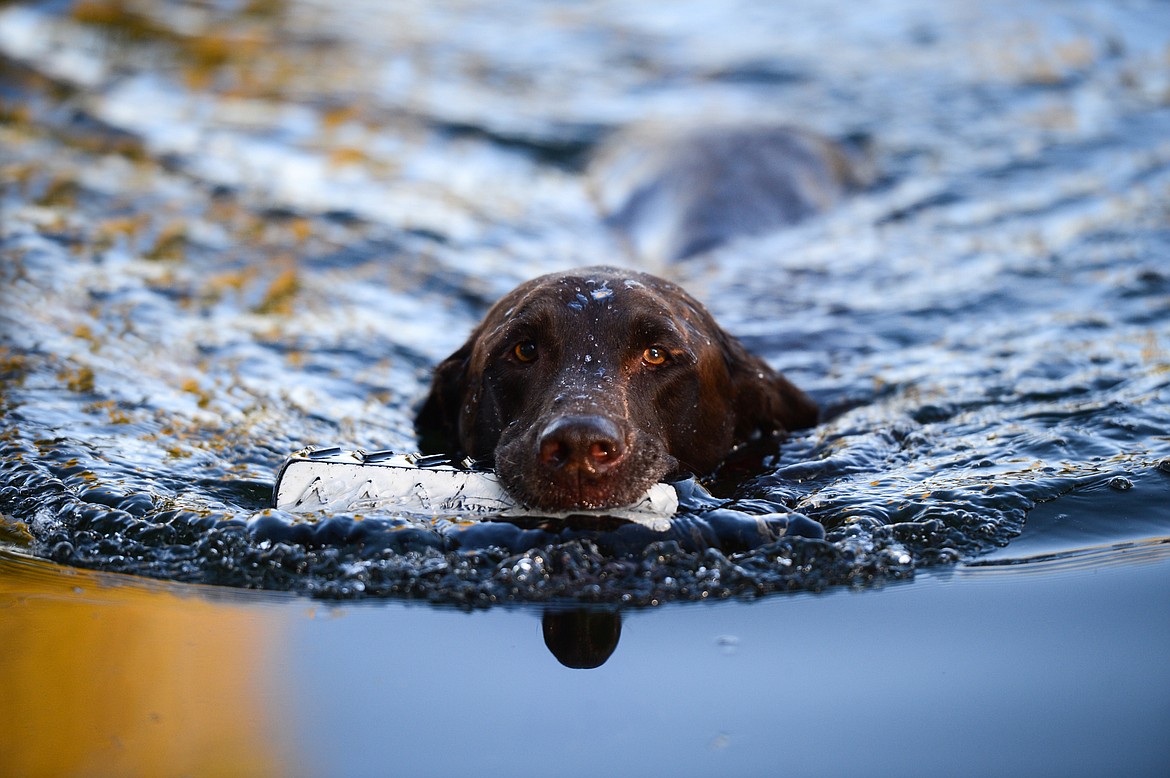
(765, 401)
(437, 420)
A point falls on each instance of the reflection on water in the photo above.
(581, 638)
(102, 676)
(105, 674)
(232, 231)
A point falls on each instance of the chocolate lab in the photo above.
(675, 192)
(585, 388)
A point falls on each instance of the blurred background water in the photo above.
(234, 229)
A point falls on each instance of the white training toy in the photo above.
(330, 479)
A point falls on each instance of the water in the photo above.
(233, 230)
(216, 255)
(967, 671)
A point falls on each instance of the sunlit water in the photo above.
(229, 233)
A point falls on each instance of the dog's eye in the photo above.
(525, 351)
(655, 355)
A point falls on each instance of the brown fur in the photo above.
(588, 422)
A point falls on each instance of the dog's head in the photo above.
(587, 387)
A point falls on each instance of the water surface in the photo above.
(230, 231)
(1018, 670)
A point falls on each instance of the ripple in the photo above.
(278, 251)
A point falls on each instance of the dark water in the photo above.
(232, 231)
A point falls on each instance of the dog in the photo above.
(675, 192)
(586, 387)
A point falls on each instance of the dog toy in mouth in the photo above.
(330, 479)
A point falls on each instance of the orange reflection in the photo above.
(110, 675)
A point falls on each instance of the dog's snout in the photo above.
(590, 443)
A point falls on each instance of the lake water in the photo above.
(233, 230)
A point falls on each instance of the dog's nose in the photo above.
(591, 443)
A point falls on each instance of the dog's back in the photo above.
(673, 194)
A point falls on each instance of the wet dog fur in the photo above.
(584, 388)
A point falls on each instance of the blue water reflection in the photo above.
(971, 673)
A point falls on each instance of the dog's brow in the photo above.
(531, 315)
(651, 327)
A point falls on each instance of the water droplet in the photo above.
(601, 292)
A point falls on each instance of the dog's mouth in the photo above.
(585, 494)
(580, 463)
(580, 493)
